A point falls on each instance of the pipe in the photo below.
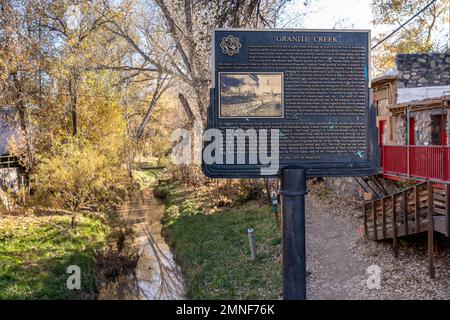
(252, 241)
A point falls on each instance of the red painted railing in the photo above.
(422, 162)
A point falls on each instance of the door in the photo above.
(444, 129)
(381, 131)
(438, 130)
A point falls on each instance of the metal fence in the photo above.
(422, 162)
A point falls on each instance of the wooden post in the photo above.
(366, 231)
(405, 212)
(417, 208)
(383, 217)
(430, 231)
(374, 220)
(394, 227)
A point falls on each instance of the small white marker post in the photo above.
(252, 241)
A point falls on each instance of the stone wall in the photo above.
(400, 131)
(422, 128)
(422, 120)
(423, 69)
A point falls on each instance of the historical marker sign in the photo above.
(299, 97)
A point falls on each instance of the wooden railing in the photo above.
(424, 207)
(416, 162)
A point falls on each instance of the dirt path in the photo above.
(335, 271)
(338, 257)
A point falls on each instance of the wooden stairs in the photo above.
(408, 212)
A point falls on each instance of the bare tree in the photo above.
(177, 40)
(162, 84)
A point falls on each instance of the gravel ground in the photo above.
(338, 256)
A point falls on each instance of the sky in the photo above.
(328, 14)
(339, 14)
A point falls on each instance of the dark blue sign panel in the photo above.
(283, 98)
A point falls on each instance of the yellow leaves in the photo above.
(76, 171)
(420, 35)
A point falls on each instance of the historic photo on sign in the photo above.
(257, 95)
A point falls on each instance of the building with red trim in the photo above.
(413, 119)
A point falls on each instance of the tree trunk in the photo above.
(202, 100)
(73, 102)
(23, 122)
(73, 220)
(147, 116)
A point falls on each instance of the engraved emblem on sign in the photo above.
(230, 45)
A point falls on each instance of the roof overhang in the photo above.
(442, 101)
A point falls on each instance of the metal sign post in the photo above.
(293, 191)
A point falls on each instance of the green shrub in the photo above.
(190, 208)
(172, 213)
(246, 191)
(162, 190)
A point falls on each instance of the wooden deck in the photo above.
(409, 212)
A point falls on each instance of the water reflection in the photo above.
(157, 276)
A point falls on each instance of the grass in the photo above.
(36, 251)
(213, 250)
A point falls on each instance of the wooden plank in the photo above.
(430, 231)
(368, 196)
(365, 219)
(439, 224)
(394, 227)
(383, 217)
(439, 198)
(447, 210)
(405, 212)
(374, 223)
(438, 210)
(416, 208)
(438, 204)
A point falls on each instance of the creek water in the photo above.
(157, 276)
